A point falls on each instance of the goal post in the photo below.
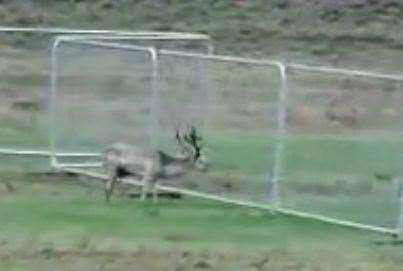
(242, 126)
(169, 91)
(24, 135)
(193, 43)
(106, 69)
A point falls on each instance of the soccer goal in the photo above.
(106, 92)
(24, 91)
(312, 142)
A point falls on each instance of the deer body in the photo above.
(122, 160)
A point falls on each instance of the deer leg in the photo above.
(109, 186)
(144, 189)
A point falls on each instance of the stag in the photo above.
(123, 160)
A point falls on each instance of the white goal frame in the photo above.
(275, 206)
(95, 34)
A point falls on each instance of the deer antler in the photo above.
(177, 136)
(193, 139)
(180, 139)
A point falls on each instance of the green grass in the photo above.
(340, 155)
(47, 216)
(333, 176)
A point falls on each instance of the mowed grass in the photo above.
(342, 177)
(47, 221)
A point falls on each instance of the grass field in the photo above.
(56, 222)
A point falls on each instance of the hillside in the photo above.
(359, 33)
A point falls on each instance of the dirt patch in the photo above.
(144, 259)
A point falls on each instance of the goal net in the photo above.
(312, 142)
(108, 92)
(234, 104)
(24, 89)
(100, 95)
(23, 115)
(343, 146)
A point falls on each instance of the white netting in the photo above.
(103, 95)
(24, 75)
(24, 91)
(234, 106)
(343, 151)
